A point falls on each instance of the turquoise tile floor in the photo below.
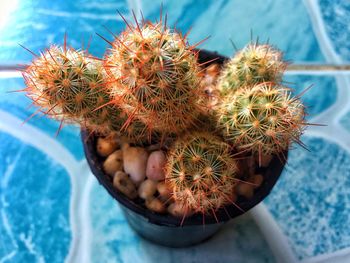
(53, 210)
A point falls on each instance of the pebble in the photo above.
(265, 160)
(246, 190)
(178, 210)
(147, 189)
(164, 192)
(155, 166)
(213, 69)
(113, 163)
(246, 166)
(155, 205)
(257, 180)
(106, 146)
(135, 162)
(122, 182)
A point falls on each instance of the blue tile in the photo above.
(34, 205)
(239, 241)
(319, 97)
(17, 104)
(336, 16)
(345, 121)
(37, 24)
(311, 200)
(286, 23)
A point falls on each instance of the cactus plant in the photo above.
(264, 118)
(149, 89)
(255, 63)
(69, 86)
(153, 75)
(201, 173)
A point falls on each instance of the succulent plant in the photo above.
(201, 173)
(149, 89)
(70, 87)
(153, 76)
(264, 118)
(255, 63)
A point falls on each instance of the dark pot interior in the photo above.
(165, 229)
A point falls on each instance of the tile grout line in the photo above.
(273, 234)
(279, 246)
(83, 252)
(5, 222)
(336, 112)
(342, 104)
(340, 256)
(34, 137)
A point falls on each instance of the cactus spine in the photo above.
(153, 76)
(263, 119)
(201, 172)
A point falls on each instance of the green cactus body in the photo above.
(153, 76)
(262, 119)
(70, 87)
(253, 64)
(201, 173)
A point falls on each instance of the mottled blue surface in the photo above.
(37, 24)
(20, 106)
(114, 241)
(310, 204)
(49, 20)
(224, 20)
(345, 121)
(336, 16)
(319, 92)
(34, 205)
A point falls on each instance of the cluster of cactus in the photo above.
(153, 77)
(257, 113)
(147, 87)
(201, 173)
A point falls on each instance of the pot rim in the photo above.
(270, 173)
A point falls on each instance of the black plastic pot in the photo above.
(165, 229)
